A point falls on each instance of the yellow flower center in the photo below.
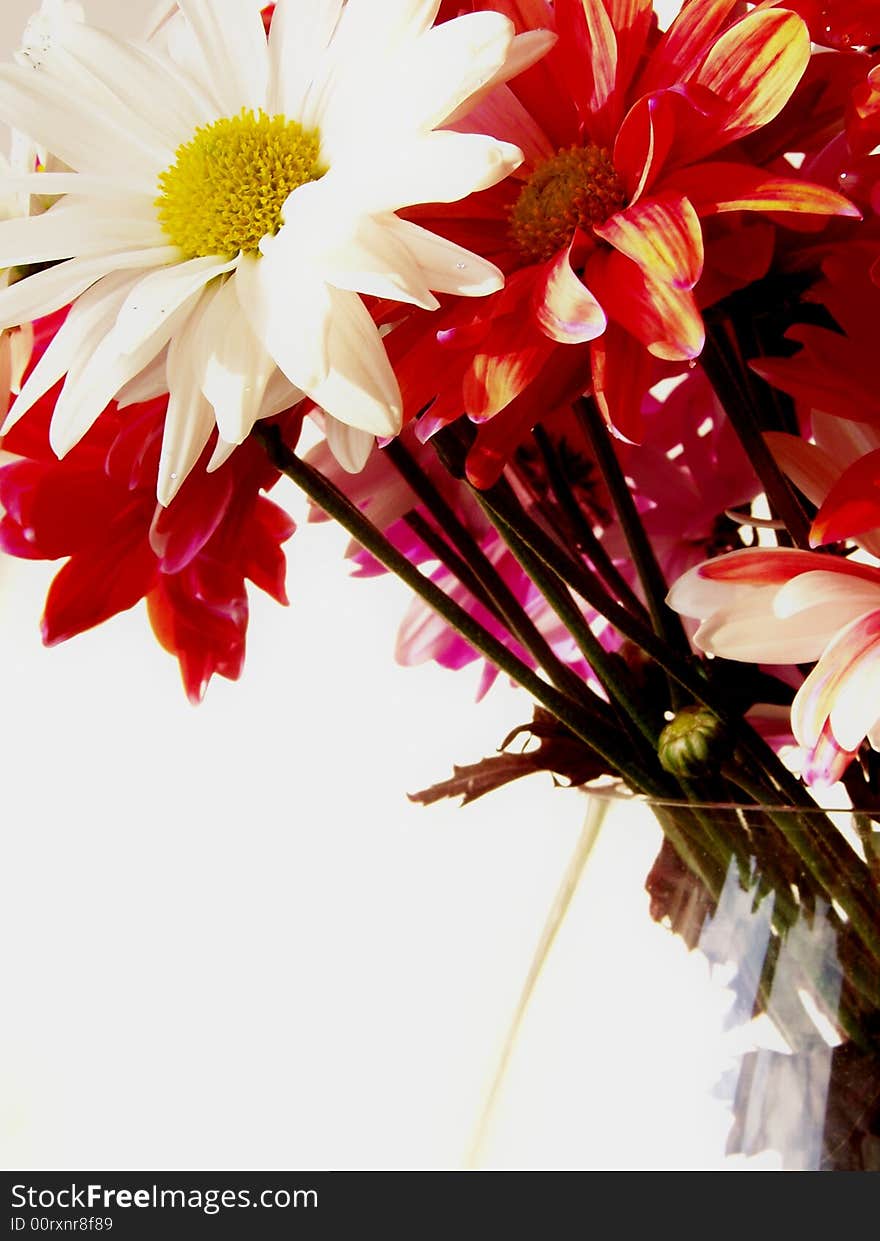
(227, 186)
(575, 188)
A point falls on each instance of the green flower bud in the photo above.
(693, 743)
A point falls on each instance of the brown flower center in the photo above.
(575, 188)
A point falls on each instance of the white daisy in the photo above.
(224, 215)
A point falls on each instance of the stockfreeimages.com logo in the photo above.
(210, 1201)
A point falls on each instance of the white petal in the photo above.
(190, 418)
(445, 67)
(751, 636)
(360, 389)
(223, 450)
(349, 446)
(237, 367)
(233, 42)
(53, 288)
(441, 167)
(298, 38)
(527, 49)
(446, 267)
(847, 596)
(147, 384)
(159, 294)
(105, 73)
(857, 701)
(377, 261)
(288, 309)
(131, 79)
(390, 23)
(94, 381)
(77, 230)
(89, 321)
(50, 183)
(280, 395)
(87, 138)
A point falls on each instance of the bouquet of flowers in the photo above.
(569, 316)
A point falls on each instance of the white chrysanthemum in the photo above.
(222, 219)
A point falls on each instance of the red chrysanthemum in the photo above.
(631, 141)
(97, 508)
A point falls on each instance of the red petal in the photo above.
(588, 49)
(739, 249)
(663, 129)
(632, 21)
(773, 566)
(204, 639)
(264, 561)
(564, 377)
(852, 506)
(662, 235)
(828, 374)
(717, 185)
(97, 584)
(665, 320)
(623, 371)
(564, 307)
(15, 542)
(511, 354)
(61, 508)
(685, 42)
(755, 66)
(180, 531)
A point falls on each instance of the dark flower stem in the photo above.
(719, 361)
(588, 541)
(611, 671)
(454, 562)
(486, 583)
(599, 734)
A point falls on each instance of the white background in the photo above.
(230, 941)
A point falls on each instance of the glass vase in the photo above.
(706, 995)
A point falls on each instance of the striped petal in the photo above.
(564, 307)
(754, 66)
(662, 235)
(715, 186)
(664, 319)
(682, 47)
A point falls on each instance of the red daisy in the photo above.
(628, 136)
(97, 507)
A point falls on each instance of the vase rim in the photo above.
(620, 793)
